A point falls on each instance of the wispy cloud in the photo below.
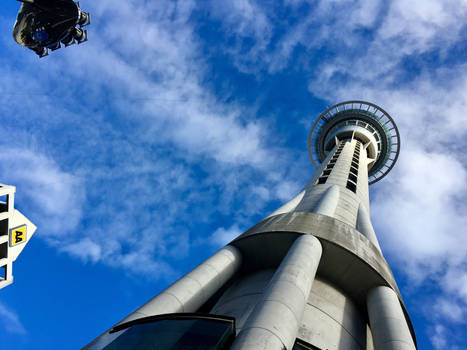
(249, 30)
(10, 321)
(438, 338)
(54, 196)
(222, 235)
(131, 147)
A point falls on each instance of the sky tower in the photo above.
(311, 275)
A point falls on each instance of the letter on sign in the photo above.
(17, 235)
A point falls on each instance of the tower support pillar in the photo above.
(274, 323)
(191, 291)
(328, 203)
(387, 321)
(365, 227)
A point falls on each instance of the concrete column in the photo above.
(191, 291)
(289, 206)
(274, 322)
(9, 271)
(365, 227)
(11, 202)
(387, 321)
(328, 203)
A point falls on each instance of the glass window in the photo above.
(351, 186)
(302, 345)
(3, 275)
(184, 332)
(359, 123)
(322, 180)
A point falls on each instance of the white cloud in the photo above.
(422, 25)
(127, 195)
(419, 205)
(451, 310)
(261, 44)
(286, 190)
(164, 73)
(247, 24)
(84, 249)
(404, 31)
(456, 282)
(438, 337)
(54, 196)
(264, 41)
(222, 236)
(10, 321)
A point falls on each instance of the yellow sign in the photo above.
(17, 235)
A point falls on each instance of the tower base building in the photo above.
(309, 276)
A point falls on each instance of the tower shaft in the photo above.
(311, 275)
(334, 206)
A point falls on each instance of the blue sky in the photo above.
(181, 124)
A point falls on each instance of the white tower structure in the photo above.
(15, 232)
(309, 276)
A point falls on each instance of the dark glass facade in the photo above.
(301, 345)
(182, 331)
(174, 333)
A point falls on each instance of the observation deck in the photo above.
(361, 120)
